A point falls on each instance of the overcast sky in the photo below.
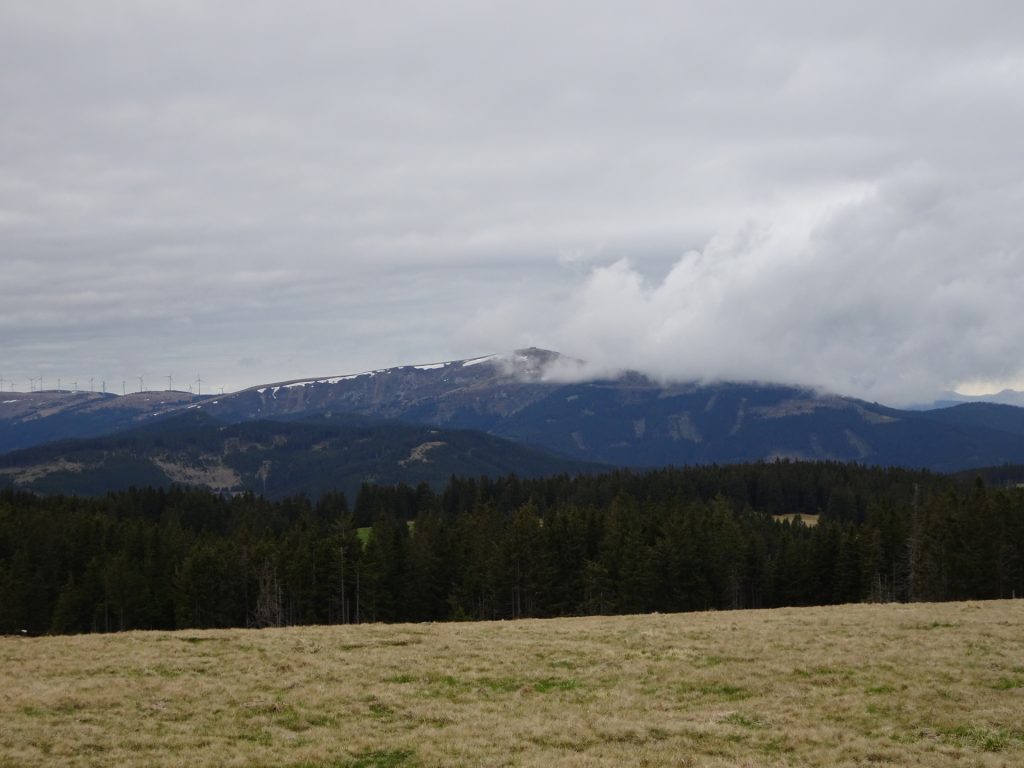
(822, 193)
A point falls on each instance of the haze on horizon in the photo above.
(825, 194)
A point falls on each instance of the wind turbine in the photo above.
(75, 385)
(90, 383)
(199, 384)
(58, 383)
(140, 384)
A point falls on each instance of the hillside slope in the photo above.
(277, 459)
(33, 418)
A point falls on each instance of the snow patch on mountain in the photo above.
(478, 360)
(531, 365)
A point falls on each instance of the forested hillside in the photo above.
(274, 459)
(667, 540)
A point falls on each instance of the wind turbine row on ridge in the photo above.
(35, 384)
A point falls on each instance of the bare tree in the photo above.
(269, 603)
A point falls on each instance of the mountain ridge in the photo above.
(531, 398)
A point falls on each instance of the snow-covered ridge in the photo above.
(273, 389)
(522, 363)
(478, 360)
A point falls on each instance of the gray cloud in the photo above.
(813, 192)
(891, 296)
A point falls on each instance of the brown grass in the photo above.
(210, 471)
(809, 520)
(26, 475)
(927, 685)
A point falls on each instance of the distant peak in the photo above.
(532, 363)
(537, 353)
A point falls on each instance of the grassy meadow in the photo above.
(920, 684)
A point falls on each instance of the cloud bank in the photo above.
(891, 296)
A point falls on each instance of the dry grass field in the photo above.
(923, 685)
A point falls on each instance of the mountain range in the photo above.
(521, 412)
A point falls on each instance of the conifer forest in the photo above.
(708, 538)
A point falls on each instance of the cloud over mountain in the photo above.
(891, 295)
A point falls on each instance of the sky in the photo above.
(820, 193)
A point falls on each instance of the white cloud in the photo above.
(890, 295)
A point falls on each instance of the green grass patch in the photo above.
(549, 684)
(746, 721)
(985, 739)
(563, 664)
(364, 534)
(379, 710)
(382, 758)
(879, 690)
(447, 686)
(390, 758)
(1007, 683)
(825, 675)
(929, 625)
(256, 735)
(287, 717)
(162, 670)
(437, 686)
(321, 720)
(705, 662)
(501, 684)
(290, 719)
(776, 746)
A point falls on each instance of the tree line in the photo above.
(622, 542)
